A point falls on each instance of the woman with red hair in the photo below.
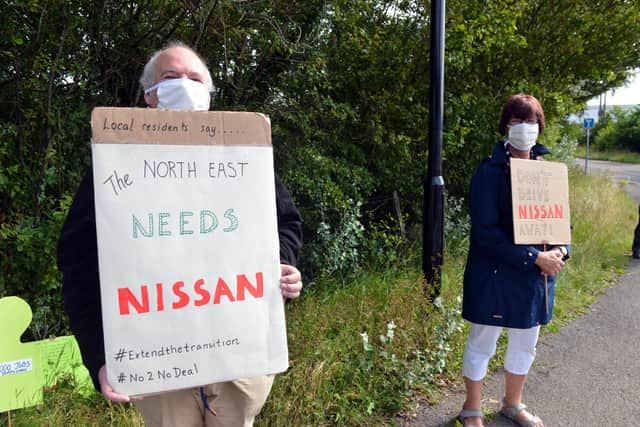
(504, 282)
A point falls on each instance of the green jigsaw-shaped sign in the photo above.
(21, 376)
(25, 368)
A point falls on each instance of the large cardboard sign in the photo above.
(540, 194)
(187, 246)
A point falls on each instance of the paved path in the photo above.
(588, 374)
(624, 172)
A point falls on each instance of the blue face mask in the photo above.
(182, 94)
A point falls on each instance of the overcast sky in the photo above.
(629, 95)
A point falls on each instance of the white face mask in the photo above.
(523, 136)
(182, 94)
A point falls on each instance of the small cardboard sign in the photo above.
(187, 246)
(540, 194)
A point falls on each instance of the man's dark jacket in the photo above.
(78, 262)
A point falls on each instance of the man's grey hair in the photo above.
(148, 74)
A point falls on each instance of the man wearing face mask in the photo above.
(503, 282)
(173, 78)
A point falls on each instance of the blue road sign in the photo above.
(588, 123)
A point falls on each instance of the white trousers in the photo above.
(481, 346)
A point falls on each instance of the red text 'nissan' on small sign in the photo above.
(187, 247)
(540, 193)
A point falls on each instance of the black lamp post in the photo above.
(433, 207)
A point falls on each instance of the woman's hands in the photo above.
(550, 262)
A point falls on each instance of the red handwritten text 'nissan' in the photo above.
(540, 211)
(179, 296)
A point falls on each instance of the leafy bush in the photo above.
(28, 268)
(457, 225)
(620, 130)
(338, 248)
(383, 243)
(562, 138)
(329, 194)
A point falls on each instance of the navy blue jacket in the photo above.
(78, 262)
(502, 284)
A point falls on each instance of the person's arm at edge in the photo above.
(290, 238)
(289, 225)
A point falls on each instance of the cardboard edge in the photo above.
(127, 121)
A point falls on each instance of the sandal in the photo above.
(512, 412)
(468, 413)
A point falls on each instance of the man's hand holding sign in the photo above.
(196, 250)
(290, 282)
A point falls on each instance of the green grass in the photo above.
(63, 406)
(335, 379)
(603, 219)
(614, 156)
